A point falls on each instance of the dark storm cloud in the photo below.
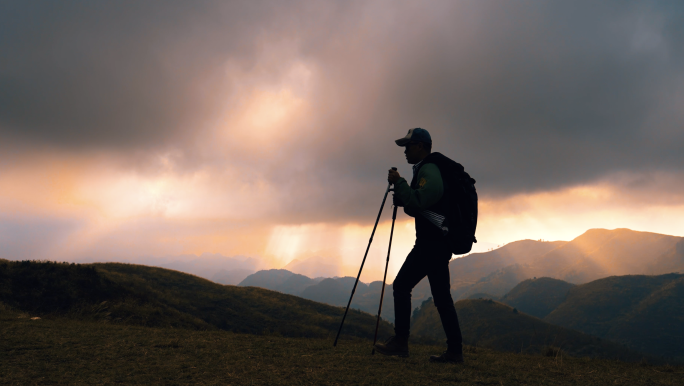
(553, 95)
(528, 96)
(564, 88)
(119, 74)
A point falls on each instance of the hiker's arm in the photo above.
(429, 192)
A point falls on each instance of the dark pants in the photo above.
(431, 259)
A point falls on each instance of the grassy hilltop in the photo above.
(117, 323)
(157, 297)
(63, 351)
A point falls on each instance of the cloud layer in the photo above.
(286, 112)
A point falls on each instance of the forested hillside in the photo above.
(645, 313)
(490, 324)
(538, 296)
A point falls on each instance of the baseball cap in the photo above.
(415, 135)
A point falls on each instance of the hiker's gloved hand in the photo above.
(393, 176)
(396, 200)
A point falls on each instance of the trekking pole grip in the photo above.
(390, 184)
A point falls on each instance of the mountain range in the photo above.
(570, 285)
(600, 284)
(334, 291)
(595, 254)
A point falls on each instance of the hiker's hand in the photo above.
(393, 176)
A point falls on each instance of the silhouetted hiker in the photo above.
(430, 257)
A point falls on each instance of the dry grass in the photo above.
(61, 351)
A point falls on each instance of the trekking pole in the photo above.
(384, 278)
(363, 262)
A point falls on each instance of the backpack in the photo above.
(460, 203)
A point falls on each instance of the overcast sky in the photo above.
(266, 128)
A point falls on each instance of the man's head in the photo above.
(417, 144)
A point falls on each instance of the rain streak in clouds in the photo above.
(266, 128)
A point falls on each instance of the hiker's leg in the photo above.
(440, 285)
(411, 273)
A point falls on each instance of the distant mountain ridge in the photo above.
(335, 291)
(595, 254)
(601, 253)
(466, 271)
(280, 280)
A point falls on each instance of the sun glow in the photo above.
(567, 213)
(267, 110)
(266, 118)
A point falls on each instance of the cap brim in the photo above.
(402, 141)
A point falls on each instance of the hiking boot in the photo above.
(395, 346)
(448, 357)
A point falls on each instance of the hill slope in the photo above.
(499, 282)
(642, 312)
(490, 324)
(538, 297)
(132, 294)
(670, 261)
(268, 278)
